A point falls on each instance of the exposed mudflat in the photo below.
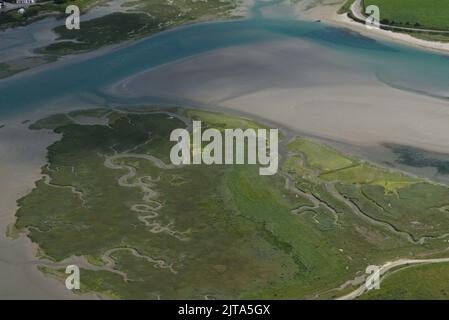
(301, 86)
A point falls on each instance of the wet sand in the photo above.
(305, 88)
(22, 153)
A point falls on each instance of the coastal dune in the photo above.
(302, 86)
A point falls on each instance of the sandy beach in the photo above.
(304, 88)
(327, 12)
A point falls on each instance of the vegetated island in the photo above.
(139, 227)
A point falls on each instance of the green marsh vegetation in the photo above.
(138, 19)
(41, 9)
(152, 231)
(141, 18)
(5, 70)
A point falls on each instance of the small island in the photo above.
(138, 227)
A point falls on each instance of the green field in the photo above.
(147, 230)
(403, 284)
(429, 14)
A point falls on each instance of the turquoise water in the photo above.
(396, 65)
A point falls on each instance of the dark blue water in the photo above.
(396, 65)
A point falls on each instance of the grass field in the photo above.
(403, 285)
(149, 231)
(429, 14)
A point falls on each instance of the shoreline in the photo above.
(384, 114)
(242, 11)
(51, 280)
(328, 14)
(53, 285)
(23, 153)
(82, 56)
